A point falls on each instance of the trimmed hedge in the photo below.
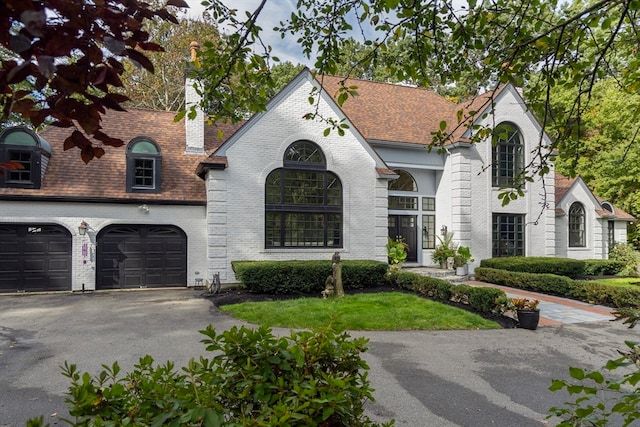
(303, 277)
(583, 290)
(481, 299)
(560, 266)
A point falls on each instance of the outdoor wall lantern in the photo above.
(82, 228)
(443, 230)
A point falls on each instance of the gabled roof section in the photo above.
(103, 179)
(215, 160)
(564, 185)
(393, 112)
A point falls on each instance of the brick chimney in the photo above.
(194, 128)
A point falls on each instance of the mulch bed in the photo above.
(237, 296)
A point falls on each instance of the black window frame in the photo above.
(137, 162)
(577, 226)
(507, 155)
(428, 231)
(303, 201)
(31, 175)
(508, 235)
(404, 182)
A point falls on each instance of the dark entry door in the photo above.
(405, 227)
(141, 256)
(34, 257)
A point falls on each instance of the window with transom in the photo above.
(144, 166)
(25, 155)
(303, 201)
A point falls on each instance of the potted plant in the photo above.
(444, 251)
(527, 312)
(396, 252)
(461, 260)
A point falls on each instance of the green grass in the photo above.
(633, 282)
(393, 311)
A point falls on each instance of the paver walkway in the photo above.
(556, 310)
(553, 310)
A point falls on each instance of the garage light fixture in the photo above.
(82, 228)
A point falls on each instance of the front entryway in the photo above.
(141, 256)
(34, 257)
(406, 228)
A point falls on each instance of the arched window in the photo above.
(303, 201)
(144, 166)
(28, 155)
(508, 157)
(577, 226)
(405, 182)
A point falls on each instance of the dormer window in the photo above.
(144, 166)
(27, 154)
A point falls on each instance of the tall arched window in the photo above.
(303, 201)
(144, 166)
(577, 226)
(508, 156)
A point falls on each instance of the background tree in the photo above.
(164, 89)
(535, 44)
(72, 53)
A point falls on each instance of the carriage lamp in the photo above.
(82, 228)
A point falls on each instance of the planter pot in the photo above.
(462, 271)
(528, 319)
(443, 265)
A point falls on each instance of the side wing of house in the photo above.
(586, 226)
(134, 218)
(281, 189)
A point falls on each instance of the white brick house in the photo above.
(177, 205)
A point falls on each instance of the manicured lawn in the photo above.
(389, 311)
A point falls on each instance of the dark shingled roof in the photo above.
(68, 177)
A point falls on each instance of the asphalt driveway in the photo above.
(443, 378)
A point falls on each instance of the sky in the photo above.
(273, 12)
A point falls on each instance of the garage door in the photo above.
(141, 256)
(34, 257)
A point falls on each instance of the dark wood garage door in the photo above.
(141, 256)
(34, 257)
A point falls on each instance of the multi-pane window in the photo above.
(428, 203)
(428, 231)
(611, 233)
(577, 238)
(23, 158)
(508, 157)
(23, 150)
(303, 201)
(403, 203)
(508, 235)
(143, 166)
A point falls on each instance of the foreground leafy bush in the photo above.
(254, 379)
(301, 277)
(601, 398)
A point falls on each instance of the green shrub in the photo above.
(628, 256)
(601, 398)
(572, 268)
(583, 290)
(302, 277)
(481, 299)
(253, 379)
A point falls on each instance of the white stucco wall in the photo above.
(236, 211)
(190, 219)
